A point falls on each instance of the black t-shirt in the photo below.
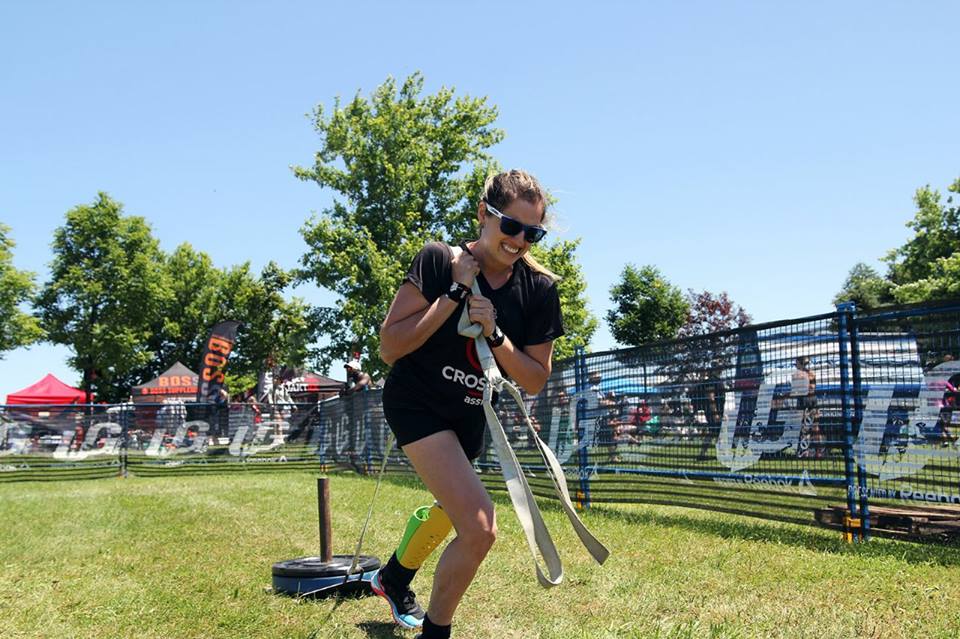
(444, 373)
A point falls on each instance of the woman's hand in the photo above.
(482, 312)
(465, 268)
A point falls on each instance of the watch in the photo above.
(458, 292)
(496, 337)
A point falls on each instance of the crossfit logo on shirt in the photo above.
(471, 381)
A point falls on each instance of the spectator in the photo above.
(803, 386)
(632, 423)
(950, 412)
(357, 380)
(254, 405)
(708, 398)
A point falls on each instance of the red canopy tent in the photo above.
(48, 390)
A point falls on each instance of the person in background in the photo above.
(803, 386)
(357, 380)
(708, 398)
(254, 405)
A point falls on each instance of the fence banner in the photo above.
(778, 421)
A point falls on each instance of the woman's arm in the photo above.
(529, 367)
(411, 321)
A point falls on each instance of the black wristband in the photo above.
(496, 337)
(458, 292)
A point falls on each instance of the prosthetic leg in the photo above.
(426, 529)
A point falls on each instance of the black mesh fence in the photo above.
(746, 421)
(775, 421)
(907, 407)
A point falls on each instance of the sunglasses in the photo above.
(510, 226)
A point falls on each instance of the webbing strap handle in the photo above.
(524, 504)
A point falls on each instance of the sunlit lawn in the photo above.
(190, 557)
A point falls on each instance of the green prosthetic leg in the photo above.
(428, 526)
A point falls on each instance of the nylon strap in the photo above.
(366, 522)
(524, 504)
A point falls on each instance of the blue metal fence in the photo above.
(844, 410)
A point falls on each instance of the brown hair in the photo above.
(502, 189)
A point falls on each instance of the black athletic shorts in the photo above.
(411, 419)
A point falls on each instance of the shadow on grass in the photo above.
(818, 539)
(380, 629)
(742, 526)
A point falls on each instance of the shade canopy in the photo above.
(48, 390)
(309, 386)
(177, 382)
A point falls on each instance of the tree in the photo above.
(178, 331)
(648, 307)
(943, 283)
(578, 322)
(407, 169)
(866, 288)
(274, 330)
(936, 235)
(106, 286)
(17, 328)
(709, 313)
(926, 267)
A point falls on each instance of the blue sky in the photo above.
(756, 148)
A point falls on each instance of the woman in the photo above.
(432, 399)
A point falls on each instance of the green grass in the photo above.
(190, 557)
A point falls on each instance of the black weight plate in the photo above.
(315, 567)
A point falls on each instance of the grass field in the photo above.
(190, 557)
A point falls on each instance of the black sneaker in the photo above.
(403, 603)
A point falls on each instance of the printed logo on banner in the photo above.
(776, 483)
(108, 431)
(560, 439)
(906, 492)
(267, 436)
(908, 456)
(904, 452)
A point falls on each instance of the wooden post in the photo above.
(323, 510)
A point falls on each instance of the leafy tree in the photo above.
(936, 229)
(926, 267)
(16, 287)
(709, 313)
(865, 287)
(106, 286)
(179, 330)
(407, 169)
(274, 331)
(647, 307)
(578, 322)
(943, 283)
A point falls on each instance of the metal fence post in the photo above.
(580, 375)
(854, 521)
(367, 435)
(864, 497)
(124, 444)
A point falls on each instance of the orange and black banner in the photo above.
(214, 361)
